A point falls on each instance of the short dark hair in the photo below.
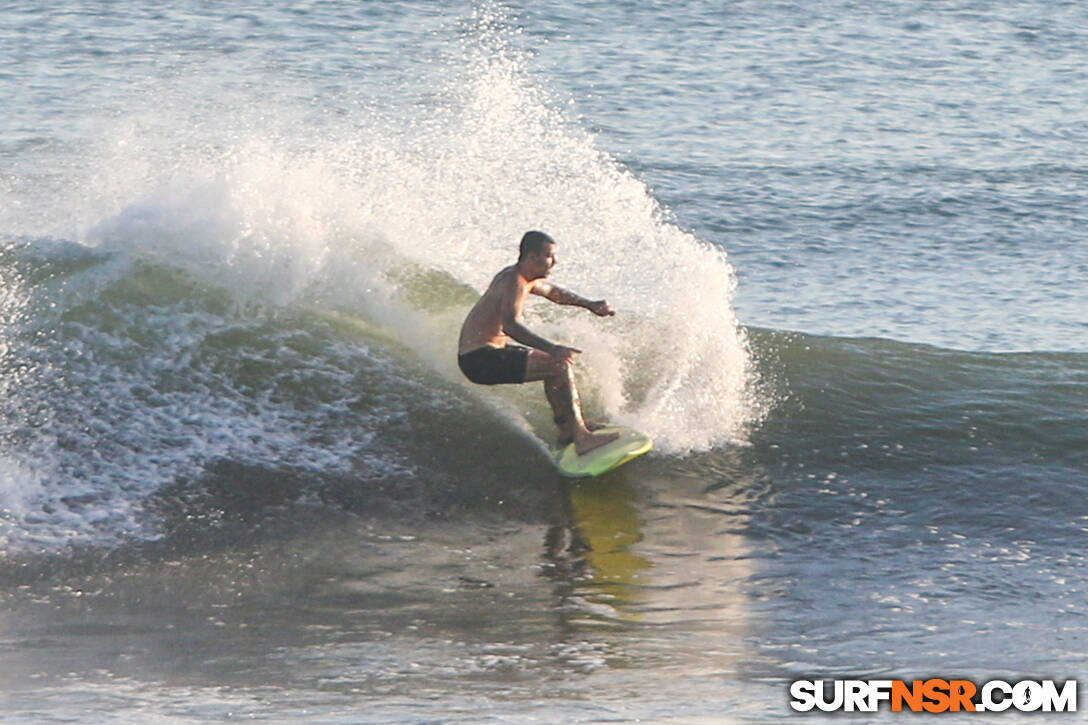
(533, 243)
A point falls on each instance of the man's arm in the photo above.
(561, 296)
(514, 328)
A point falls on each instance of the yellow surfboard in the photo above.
(630, 444)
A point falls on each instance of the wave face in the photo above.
(925, 404)
(881, 442)
(256, 278)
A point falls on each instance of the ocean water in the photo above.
(242, 479)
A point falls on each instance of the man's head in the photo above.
(536, 255)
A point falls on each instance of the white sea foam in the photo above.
(400, 215)
(334, 213)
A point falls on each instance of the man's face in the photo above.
(543, 261)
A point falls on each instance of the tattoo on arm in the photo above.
(561, 296)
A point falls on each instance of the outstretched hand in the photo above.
(601, 308)
(564, 353)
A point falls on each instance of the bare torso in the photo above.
(484, 324)
(495, 319)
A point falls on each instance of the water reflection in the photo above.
(591, 556)
(651, 574)
(664, 546)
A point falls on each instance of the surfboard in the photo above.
(630, 444)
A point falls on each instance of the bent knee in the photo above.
(544, 366)
(560, 365)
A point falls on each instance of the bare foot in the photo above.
(592, 441)
(565, 440)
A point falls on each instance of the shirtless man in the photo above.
(485, 355)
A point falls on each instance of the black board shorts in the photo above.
(495, 365)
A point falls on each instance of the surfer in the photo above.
(485, 355)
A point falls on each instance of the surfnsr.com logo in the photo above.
(933, 695)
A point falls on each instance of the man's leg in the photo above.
(555, 388)
(562, 394)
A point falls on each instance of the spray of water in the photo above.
(428, 201)
(400, 215)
